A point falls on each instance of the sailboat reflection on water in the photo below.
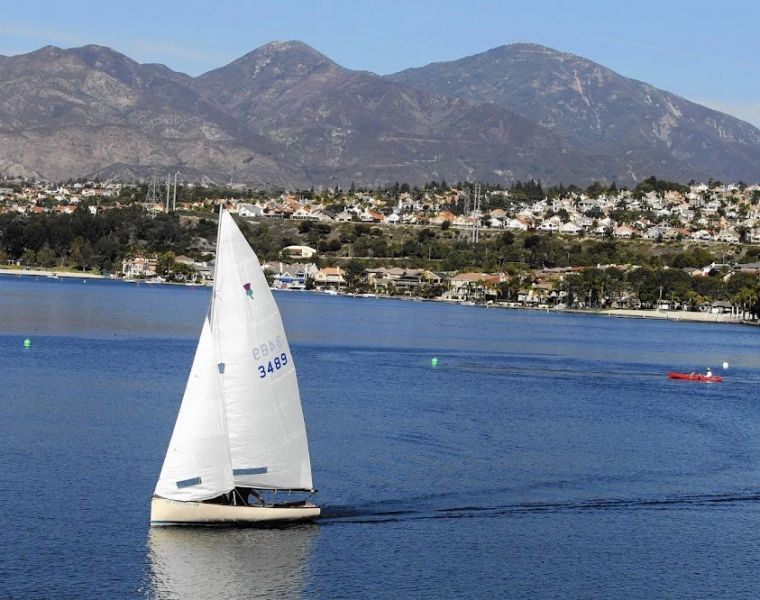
(237, 563)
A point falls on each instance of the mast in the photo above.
(216, 267)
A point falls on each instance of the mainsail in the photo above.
(267, 435)
(240, 422)
(197, 465)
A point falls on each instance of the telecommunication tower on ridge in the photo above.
(171, 194)
(471, 209)
(463, 234)
(152, 196)
(475, 214)
(174, 199)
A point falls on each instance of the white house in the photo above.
(248, 211)
(702, 235)
(516, 225)
(728, 236)
(551, 224)
(299, 251)
(570, 228)
(623, 232)
(139, 266)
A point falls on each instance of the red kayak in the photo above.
(695, 377)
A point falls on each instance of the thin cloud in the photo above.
(164, 51)
(746, 111)
(664, 51)
(42, 34)
(32, 37)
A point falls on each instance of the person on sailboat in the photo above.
(246, 493)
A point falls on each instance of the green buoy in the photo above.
(434, 362)
(27, 343)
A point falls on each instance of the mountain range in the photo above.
(285, 115)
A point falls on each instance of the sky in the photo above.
(704, 51)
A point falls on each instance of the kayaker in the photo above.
(709, 372)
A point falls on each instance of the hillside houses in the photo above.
(715, 213)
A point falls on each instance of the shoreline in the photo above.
(620, 313)
(662, 315)
(51, 274)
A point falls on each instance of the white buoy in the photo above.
(725, 365)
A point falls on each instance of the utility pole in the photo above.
(463, 233)
(476, 215)
(168, 190)
(174, 200)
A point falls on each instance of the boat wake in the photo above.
(372, 514)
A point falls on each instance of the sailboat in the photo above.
(240, 436)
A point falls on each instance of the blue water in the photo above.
(546, 455)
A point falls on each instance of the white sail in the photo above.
(267, 435)
(197, 465)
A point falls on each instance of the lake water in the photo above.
(546, 456)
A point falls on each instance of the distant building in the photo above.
(329, 277)
(139, 266)
(250, 210)
(299, 251)
(292, 276)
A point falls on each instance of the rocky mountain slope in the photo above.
(69, 113)
(341, 125)
(286, 115)
(646, 129)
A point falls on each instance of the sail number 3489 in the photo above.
(269, 350)
(277, 363)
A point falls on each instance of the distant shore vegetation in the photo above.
(104, 228)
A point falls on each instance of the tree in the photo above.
(506, 290)
(29, 257)
(81, 253)
(507, 238)
(165, 263)
(574, 286)
(645, 284)
(353, 274)
(46, 256)
(107, 250)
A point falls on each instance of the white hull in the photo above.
(172, 512)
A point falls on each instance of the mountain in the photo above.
(71, 113)
(646, 130)
(286, 115)
(342, 125)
